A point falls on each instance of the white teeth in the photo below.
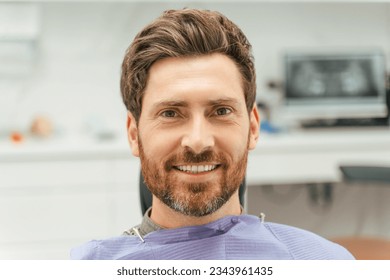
(196, 168)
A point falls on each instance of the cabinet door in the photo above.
(53, 205)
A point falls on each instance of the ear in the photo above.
(254, 127)
(132, 134)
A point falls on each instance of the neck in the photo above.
(169, 218)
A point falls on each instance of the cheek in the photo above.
(233, 143)
(158, 145)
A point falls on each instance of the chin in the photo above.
(197, 204)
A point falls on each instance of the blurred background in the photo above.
(67, 174)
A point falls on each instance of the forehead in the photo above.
(214, 76)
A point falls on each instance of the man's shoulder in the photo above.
(303, 244)
(104, 249)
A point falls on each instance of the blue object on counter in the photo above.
(268, 127)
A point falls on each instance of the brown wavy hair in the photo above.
(181, 33)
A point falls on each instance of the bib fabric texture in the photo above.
(229, 238)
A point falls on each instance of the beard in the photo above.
(193, 199)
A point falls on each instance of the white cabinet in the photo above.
(48, 207)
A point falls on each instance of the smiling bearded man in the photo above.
(189, 85)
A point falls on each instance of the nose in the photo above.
(199, 135)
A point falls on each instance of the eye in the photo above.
(223, 111)
(169, 114)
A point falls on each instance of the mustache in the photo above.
(190, 157)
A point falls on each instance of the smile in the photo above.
(196, 168)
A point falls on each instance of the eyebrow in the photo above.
(220, 101)
(182, 103)
(170, 103)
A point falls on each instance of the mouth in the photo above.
(196, 169)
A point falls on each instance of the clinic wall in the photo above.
(75, 74)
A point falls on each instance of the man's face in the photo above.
(194, 132)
